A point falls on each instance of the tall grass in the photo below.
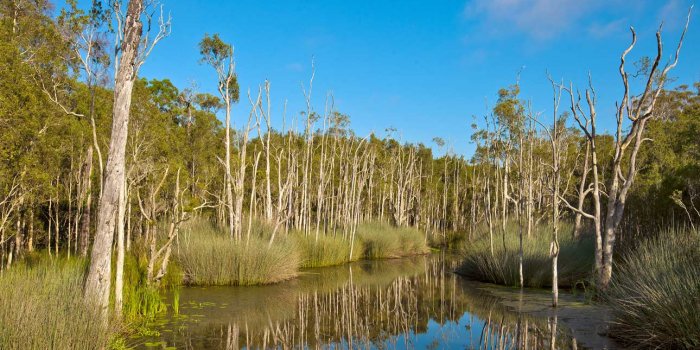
(209, 257)
(381, 240)
(328, 250)
(655, 293)
(142, 302)
(447, 239)
(42, 307)
(575, 258)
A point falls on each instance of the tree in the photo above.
(219, 55)
(132, 48)
(638, 110)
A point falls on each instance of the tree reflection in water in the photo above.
(405, 304)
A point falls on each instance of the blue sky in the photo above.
(423, 67)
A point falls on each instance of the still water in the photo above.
(410, 303)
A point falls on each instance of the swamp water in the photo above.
(415, 303)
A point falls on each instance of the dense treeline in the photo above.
(314, 174)
(72, 177)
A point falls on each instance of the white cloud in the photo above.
(539, 19)
(601, 30)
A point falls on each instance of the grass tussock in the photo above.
(575, 258)
(209, 257)
(42, 307)
(327, 250)
(381, 241)
(655, 293)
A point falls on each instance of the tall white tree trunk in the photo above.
(97, 285)
(227, 167)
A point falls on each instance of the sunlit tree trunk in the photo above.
(97, 285)
(119, 274)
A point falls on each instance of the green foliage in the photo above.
(655, 292)
(219, 54)
(575, 258)
(667, 187)
(42, 307)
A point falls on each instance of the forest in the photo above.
(118, 193)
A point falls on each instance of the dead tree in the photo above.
(634, 109)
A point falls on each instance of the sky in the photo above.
(427, 68)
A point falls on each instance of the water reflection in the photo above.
(407, 303)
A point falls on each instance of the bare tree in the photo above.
(555, 140)
(636, 110)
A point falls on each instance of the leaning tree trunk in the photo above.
(97, 285)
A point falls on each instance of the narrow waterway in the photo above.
(414, 303)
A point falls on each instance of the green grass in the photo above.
(209, 257)
(328, 250)
(655, 293)
(381, 241)
(575, 258)
(42, 307)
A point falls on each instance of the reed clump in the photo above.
(42, 307)
(207, 256)
(326, 250)
(655, 292)
(502, 267)
(381, 240)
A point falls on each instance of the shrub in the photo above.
(575, 258)
(655, 293)
(42, 307)
(210, 257)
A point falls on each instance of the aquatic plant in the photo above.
(381, 240)
(210, 257)
(143, 302)
(327, 250)
(655, 292)
(501, 267)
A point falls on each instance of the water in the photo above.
(411, 303)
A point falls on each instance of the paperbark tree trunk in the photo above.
(97, 284)
(119, 278)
